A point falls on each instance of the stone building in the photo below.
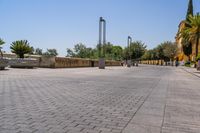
(180, 53)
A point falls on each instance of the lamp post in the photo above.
(102, 40)
(137, 53)
(129, 41)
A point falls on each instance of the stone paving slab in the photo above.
(191, 70)
(172, 107)
(141, 99)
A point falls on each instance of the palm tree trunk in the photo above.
(197, 45)
(189, 58)
(1, 53)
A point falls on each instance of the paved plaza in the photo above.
(145, 99)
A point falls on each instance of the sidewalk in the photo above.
(191, 70)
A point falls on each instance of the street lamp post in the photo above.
(137, 50)
(129, 41)
(102, 39)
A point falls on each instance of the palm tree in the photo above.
(192, 31)
(1, 43)
(20, 48)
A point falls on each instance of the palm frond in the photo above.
(20, 48)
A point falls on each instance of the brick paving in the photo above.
(88, 100)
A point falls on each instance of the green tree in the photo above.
(137, 49)
(126, 53)
(108, 48)
(165, 51)
(20, 48)
(1, 43)
(38, 51)
(159, 52)
(107, 51)
(94, 54)
(117, 52)
(81, 51)
(111, 52)
(153, 54)
(192, 31)
(170, 50)
(89, 52)
(186, 43)
(190, 10)
(147, 55)
(70, 53)
(32, 50)
(51, 52)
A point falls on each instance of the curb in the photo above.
(190, 72)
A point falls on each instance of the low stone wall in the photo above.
(64, 62)
(153, 62)
(47, 62)
(57, 62)
(113, 63)
(61, 62)
(23, 63)
(3, 63)
(9, 55)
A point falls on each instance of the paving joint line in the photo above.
(190, 72)
(153, 87)
(164, 112)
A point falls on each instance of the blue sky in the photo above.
(61, 24)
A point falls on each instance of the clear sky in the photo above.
(61, 24)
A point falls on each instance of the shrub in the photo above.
(1, 43)
(187, 64)
(198, 57)
(20, 48)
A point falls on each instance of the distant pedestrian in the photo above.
(122, 63)
(176, 63)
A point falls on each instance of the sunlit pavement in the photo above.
(193, 71)
(144, 99)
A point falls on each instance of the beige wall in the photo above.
(64, 62)
(153, 62)
(47, 62)
(9, 55)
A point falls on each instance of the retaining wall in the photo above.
(153, 62)
(64, 62)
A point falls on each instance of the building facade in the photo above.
(179, 40)
(180, 52)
